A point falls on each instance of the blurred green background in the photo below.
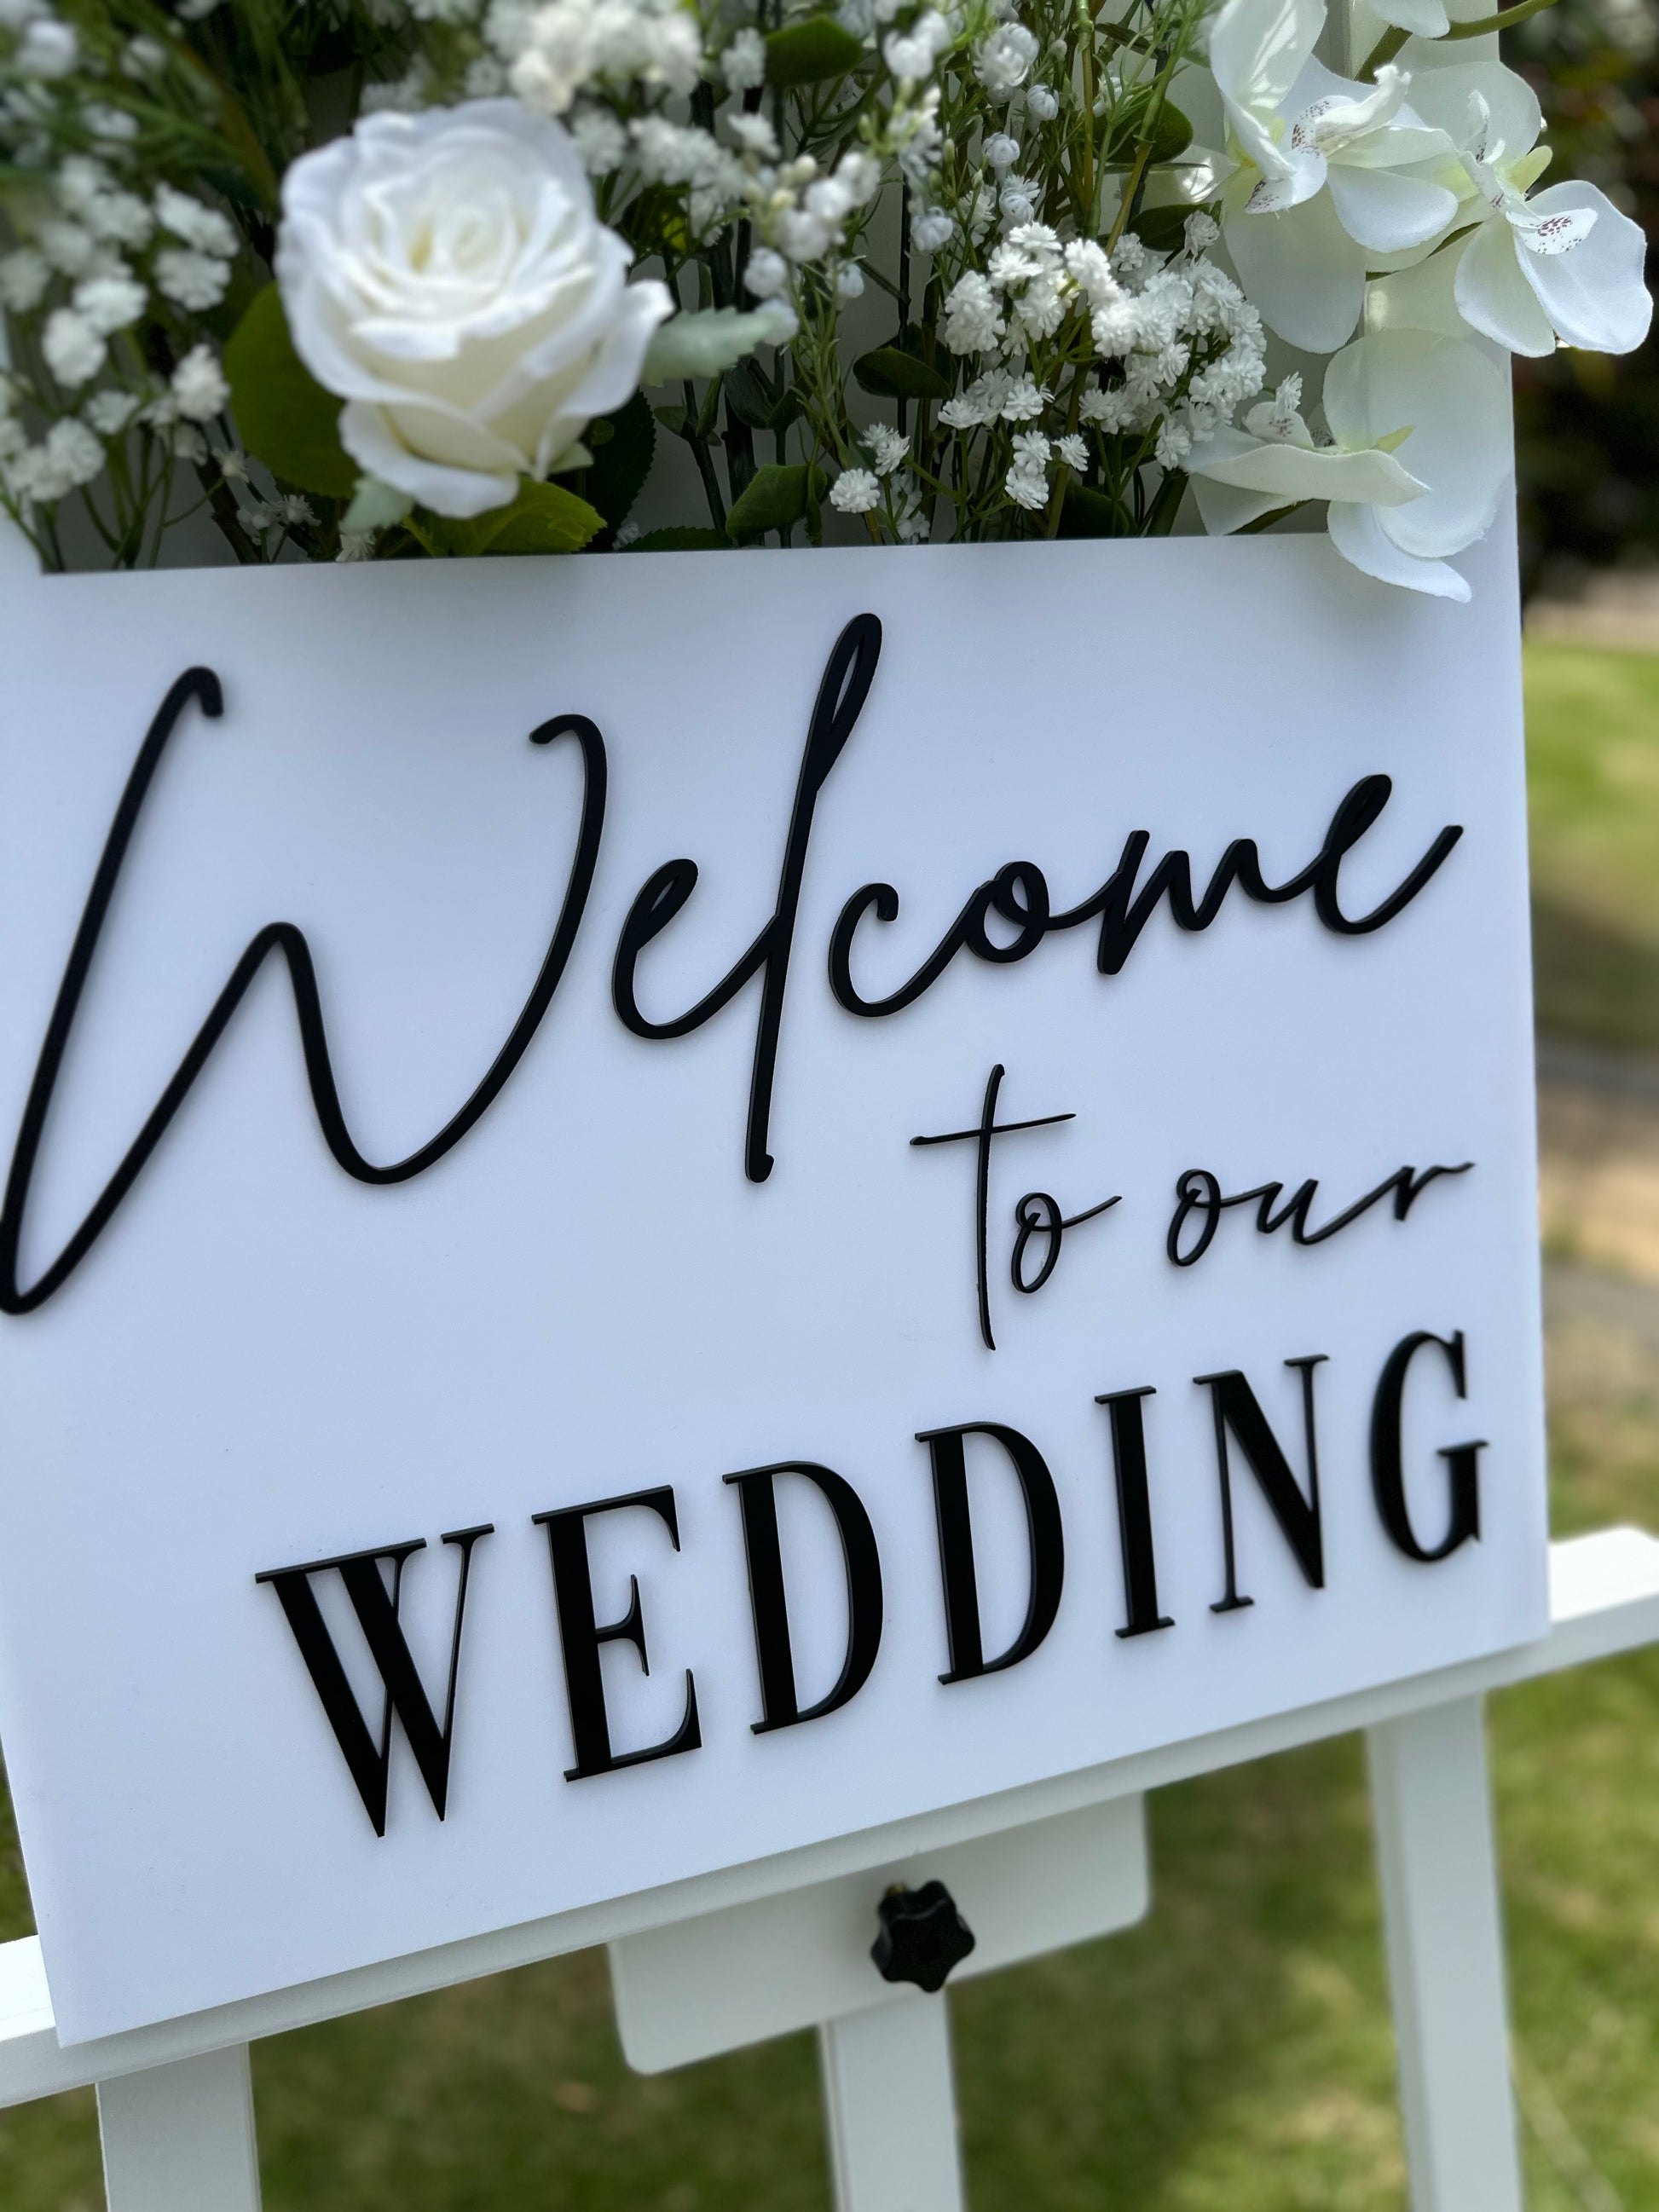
(1234, 2054)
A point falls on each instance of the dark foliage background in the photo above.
(1588, 424)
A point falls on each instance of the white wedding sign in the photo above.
(922, 1141)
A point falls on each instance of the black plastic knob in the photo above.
(923, 1937)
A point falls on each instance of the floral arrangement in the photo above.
(383, 279)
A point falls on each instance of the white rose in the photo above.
(445, 275)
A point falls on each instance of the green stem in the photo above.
(1391, 41)
(1267, 521)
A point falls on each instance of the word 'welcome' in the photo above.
(1016, 898)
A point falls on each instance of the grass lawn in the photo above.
(1234, 2054)
(1593, 743)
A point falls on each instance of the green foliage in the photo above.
(897, 371)
(1593, 762)
(681, 540)
(1163, 229)
(283, 415)
(1088, 514)
(777, 497)
(1123, 129)
(754, 398)
(621, 460)
(704, 343)
(1587, 425)
(809, 52)
(544, 517)
(655, 223)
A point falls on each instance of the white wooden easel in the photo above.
(727, 1960)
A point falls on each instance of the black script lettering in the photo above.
(1235, 1407)
(1198, 1191)
(277, 937)
(580, 1636)
(1134, 1511)
(1038, 1214)
(376, 1608)
(1018, 895)
(773, 1652)
(1028, 1216)
(846, 684)
(1388, 1470)
(956, 1545)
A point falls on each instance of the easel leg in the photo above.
(891, 2109)
(180, 2138)
(1445, 1947)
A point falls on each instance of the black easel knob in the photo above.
(923, 1937)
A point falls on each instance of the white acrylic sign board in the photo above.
(263, 1363)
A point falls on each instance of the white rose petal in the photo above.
(446, 276)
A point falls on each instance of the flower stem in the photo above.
(1391, 41)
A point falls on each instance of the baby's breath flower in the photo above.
(109, 412)
(73, 351)
(743, 64)
(1004, 62)
(854, 491)
(193, 281)
(195, 224)
(200, 388)
(887, 448)
(766, 274)
(110, 303)
(24, 277)
(1027, 482)
(972, 322)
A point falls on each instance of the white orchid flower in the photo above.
(1562, 266)
(1329, 174)
(1437, 401)
(1427, 19)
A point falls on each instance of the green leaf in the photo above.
(1123, 131)
(1163, 229)
(705, 342)
(809, 52)
(283, 415)
(672, 420)
(777, 497)
(655, 223)
(892, 373)
(376, 506)
(752, 399)
(1088, 514)
(681, 541)
(622, 459)
(1172, 136)
(544, 517)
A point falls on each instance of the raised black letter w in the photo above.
(376, 1608)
